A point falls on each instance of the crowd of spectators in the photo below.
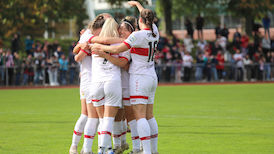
(243, 58)
(41, 63)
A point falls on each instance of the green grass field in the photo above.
(192, 119)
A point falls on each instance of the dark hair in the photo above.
(148, 18)
(98, 22)
(130, 23)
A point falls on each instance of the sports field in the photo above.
(192, 119)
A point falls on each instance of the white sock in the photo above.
(124, 132)
(90, 131)
(144, 134)
(106, 132)
(134, 135)
(79, 129)
(117, 130)
(154, 134)
(99, 132)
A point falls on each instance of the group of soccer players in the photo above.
(117, 84)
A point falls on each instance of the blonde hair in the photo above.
(110, 28)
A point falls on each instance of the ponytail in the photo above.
(148, 18)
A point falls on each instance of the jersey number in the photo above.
(152, 50)
(105, 60)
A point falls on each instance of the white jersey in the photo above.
(143, 46)
(85, 64)
(125, 74)
(103, 70)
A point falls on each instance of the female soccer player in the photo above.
(85, 123)
(143, 79)
(128, 25)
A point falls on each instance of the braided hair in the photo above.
(148, 18)
(97, 23)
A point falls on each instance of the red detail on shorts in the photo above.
(105, 132)
(140, 51)
(89, 40)
(97, 100)
(135, 137)
(138, 97)
(128, 46)
(124, 133)
(86, 52)
(154, 136)
(99, 133)
(145, 138)
(126, 99)
(123, 58)
(77, 133)
(87, 136)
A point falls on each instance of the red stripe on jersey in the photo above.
(89, 40)
(136, 97)
(146, 29)
(86, 52)
(77, 133)
(99, 133)
(126, 99)
(135, 137)
(105, 132)
(154, 136)
(139, 51)
(128, 46)
(87, 136)
(123, 58)
(145, 138)
(97, 100)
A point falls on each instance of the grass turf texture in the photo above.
(192, 119)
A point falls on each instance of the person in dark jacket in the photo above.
(199, 26)
(189, 28)
(266, 23)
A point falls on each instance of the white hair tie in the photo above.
(129, 25)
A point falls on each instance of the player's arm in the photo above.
(106, 40)
(112, 49)
(121, 62)
(137, 4)
(80, 56)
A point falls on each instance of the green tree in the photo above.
(249, 10)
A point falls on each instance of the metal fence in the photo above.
(167, 73)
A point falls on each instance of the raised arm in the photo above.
(78, 47)
(137, 4)
(80, 56)
(106, 40)
(112, 49)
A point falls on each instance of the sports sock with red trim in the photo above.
(134, 135)
(117, 130)
(144, 134)
(154, 134)
(79, 129)
(124, 132)
(106, 132)
(90, 131)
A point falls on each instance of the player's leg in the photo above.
(113, 98)
(117, 130)
(80, 125)
(151, 120)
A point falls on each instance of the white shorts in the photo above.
(125, 96)
(107, 93)
(142, 89)
(84, 91)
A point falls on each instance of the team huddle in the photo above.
(117, 84)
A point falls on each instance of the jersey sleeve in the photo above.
(125, 55)
(86, 37)
(155, 30)
(132, 40)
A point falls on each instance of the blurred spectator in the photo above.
(55, 45)
(18, 68)
(214, 63)
(9, 66)
(266, 44)
(199, 26)
(72, 66)
(218, 30)
(244, 44)
(58, 53)
(2, 66)
(39, 65)
(239, 65)
(187, 63)
(222, 41)
(63, 69)
(28, 44)
(53, 71)
(247, 67)
(261, 68)
(220, 66)
(237, 35)
(201, 46)
(267, 67)
(178, 65)
(266, 23)
(15, 43)
(188, 43)
(199, 67)
(225, 32)
(189, 28)
(207, 66)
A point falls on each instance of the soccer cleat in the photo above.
(110, 151)
(117, 150)
(73, 150)
(101, 150)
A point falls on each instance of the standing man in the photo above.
(266, 23)
(199, 26)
